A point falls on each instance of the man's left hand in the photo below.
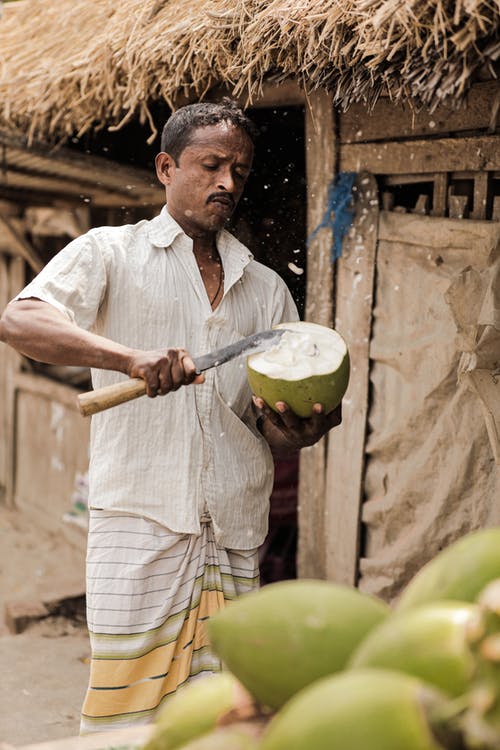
(285, 431)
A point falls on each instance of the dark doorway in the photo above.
(271, 221)
(271, 217)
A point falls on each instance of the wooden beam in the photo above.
(320, 169)
(24, 197)
(284, 94)
(107, 171)
(423, 156)
(406, 179)
(19, 245)
(43, 167)
(42, 386)
(11, 209)
(387, 121)
(346, 447)
(83, 192)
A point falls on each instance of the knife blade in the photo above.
(100, 399)
(257, 342)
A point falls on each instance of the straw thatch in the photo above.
(70, 65)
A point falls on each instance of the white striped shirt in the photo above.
(171, 458)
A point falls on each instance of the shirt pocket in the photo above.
(232, 388)
(241, 438)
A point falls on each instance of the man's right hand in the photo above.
(163, 370)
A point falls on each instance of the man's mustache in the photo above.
(227, 197)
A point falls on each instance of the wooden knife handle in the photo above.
(110, 395)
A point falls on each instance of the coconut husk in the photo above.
(70, 66)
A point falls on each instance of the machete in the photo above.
(117, 393)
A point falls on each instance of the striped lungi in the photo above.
(149, 592)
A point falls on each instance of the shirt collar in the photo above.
(163, 230)
(235, 256)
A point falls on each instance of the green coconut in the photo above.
(368, 709)
(459, 572)
(196, 709)
(481, 721)
(239, 736)
(309, 365)
(430, 642)
(285, 636)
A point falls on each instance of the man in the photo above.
(179, 487)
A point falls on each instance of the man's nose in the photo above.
(226, 181)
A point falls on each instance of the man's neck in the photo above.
(204, 242)
(205, 246)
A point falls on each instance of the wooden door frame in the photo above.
(419, 147)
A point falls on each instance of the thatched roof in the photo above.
(72, 65)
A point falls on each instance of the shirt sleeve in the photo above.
(74, 281)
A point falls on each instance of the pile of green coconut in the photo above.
(312, 665)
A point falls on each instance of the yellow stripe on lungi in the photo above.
(149, 593)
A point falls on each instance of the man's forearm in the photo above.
(38, 330)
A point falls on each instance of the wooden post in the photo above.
(5, 434)
(421, 206)
(439, 198)
(458, 206)
(321, 144)
(346, 448)
(11, 282)
(482, 187)
(495, 213)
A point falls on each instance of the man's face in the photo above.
(204, 188)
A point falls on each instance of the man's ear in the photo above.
(165, 165)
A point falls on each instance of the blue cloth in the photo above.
(339, 211)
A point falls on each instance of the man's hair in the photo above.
(178, 130)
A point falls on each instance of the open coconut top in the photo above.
(305, 350)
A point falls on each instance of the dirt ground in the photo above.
(44, 670)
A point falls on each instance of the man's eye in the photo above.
(211, 167)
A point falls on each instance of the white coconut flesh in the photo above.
(309, 365)
(304, 350)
